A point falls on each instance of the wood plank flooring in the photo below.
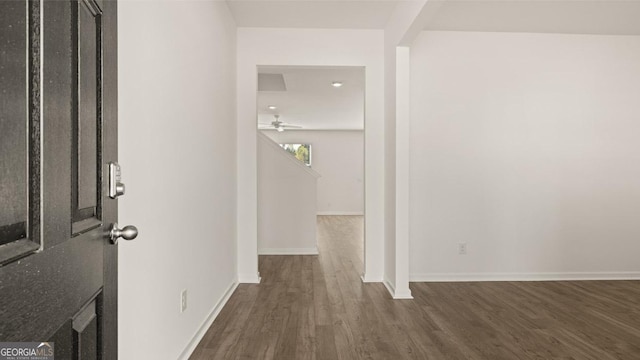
(316, 307)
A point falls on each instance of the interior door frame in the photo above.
(260, 68)
(300, 49)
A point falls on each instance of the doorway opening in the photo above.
(311, 162)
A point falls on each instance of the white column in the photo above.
(403, 88)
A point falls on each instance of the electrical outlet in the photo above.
(183, 301)
(462, 248)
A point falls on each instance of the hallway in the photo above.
(305, 305)
(316, 307)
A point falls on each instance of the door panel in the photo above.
(85, 332)
(87, 139)
(59, 106)
(78, 337)
(18, 129)
(58, 273)
(86, 130)
(14, 123)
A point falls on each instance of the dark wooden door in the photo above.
(58, 118)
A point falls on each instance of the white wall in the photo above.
(286, 202)
(339, 157)
(300, 47)
(525, 146)
(176, 129)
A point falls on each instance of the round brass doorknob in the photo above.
(128, 232)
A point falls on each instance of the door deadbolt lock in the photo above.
(116, 187)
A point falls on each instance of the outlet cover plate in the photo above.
(183, 301)
(462, 248)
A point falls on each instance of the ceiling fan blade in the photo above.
(291, 126)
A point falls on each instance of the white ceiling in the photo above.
(605, 17)
(321, 14)
(312, 102)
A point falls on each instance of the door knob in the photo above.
(128, 232)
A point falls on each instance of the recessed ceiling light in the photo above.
(336, 84)
(272, 107)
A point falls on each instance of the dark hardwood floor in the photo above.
(316, 307)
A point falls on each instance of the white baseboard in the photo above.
(208, 321)
(566, 276)
(249, 279)
(288, 251)
(389, 287)
(397, 295)
(340, 213)
(366, 278)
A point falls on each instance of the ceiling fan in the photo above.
(278, 125)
